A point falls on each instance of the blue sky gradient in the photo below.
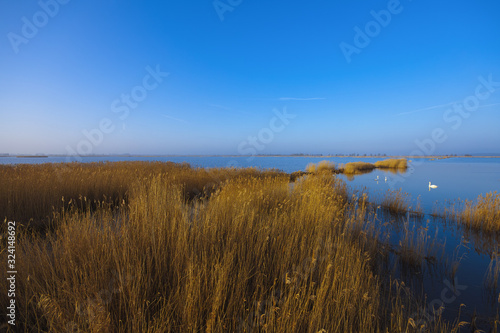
(227, 78)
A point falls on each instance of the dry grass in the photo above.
(398, 202)
(363, 167)
(416, 245)
(174, 249)
(35, 194)
(311, 168)
(493, 274)
(321, 167)
(482, 214)
(358, 167)
(392, 164)
(353, 168)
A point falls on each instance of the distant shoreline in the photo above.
(29, 156)
(436, 157)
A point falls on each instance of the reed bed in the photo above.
(392, 163)
(321, 167)
(353, 168)
(179, 249)
(34, 194)
(482, 214)
(398, 202)
(358, 167)
(493, 274)
(417, 246)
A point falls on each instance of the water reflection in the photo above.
(431, 254)
(351, 177)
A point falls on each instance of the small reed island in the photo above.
(352, 168)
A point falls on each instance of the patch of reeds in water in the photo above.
(399, 202)
(392, 164)
(358, 167)
(321, 167)
(482, 214)
(417, 245)
(353, 168)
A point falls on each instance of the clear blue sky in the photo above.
(75, 70)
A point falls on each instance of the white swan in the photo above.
(376, 179)
(386, 179)
(432, 186)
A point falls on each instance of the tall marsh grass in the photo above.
(417, 245)
(323, 166)
(392, 164)
(482, 214)
(33, 194)
(353, 168)
(358, 167)
(168, 248)
(399, 202)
